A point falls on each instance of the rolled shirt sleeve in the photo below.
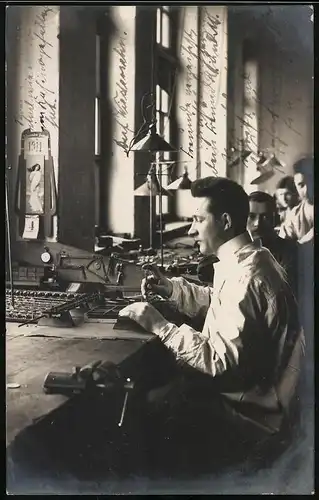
(287, 229)
(299, 222)
(190, 299)
(227, 326)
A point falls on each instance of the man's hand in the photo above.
(155, 282)
(145, 315)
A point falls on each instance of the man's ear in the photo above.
(226, 221)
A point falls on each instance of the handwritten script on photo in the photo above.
(40, 102)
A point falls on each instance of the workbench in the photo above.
(33, 351)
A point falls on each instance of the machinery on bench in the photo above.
(95, 377)
(52, 294)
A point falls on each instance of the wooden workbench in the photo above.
(33, 351)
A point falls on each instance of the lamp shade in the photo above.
(263, 177)
(153, 143)
(236, 156)
(182, 182)
(151, 187)
(245, 153)
(262, 159)
(275, 162)
(271, 160)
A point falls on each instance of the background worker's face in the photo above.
(261, 220)
(285, 198)
(301, 186)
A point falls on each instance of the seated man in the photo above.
(299, 224)
(239, 375)
(261, 224)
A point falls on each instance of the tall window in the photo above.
(97, 96)
(165, 86)
(97, 146)
(163, 129)
(163, 27)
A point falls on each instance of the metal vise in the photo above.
(102, 376)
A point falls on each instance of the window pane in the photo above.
(158, 122)
(164, 180)
(97, 127)
(165, 169)
(165, 99)
(97, 63)
(159, 26)
(165, 30)
(158, 98)
(164, 205)
(167, 132)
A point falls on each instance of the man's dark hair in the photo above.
(261, 197)
(225, 196)
(287, 182)
(305, 167)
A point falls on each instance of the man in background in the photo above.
(261, 225)
(299, 224)
(286, 196)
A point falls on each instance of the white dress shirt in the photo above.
(251, 341)
(299, 221)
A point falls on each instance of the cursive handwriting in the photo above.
(189, 111)
(41, 102)
(255, 98)
(45, 97)
(209, 49)
(189, 50)
(28, 115)
(120, 110)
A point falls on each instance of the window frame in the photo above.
(166, 58)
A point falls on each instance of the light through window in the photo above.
(163, 129)
(163, 27)
(250, 125)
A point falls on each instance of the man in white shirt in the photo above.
(261, 226)
(299, 224)
(249, 353)
(286, 196)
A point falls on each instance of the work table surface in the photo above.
(33, 351)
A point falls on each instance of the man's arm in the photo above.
(287, 230)
(235, 326)
(190, 299)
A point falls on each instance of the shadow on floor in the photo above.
(76, 451)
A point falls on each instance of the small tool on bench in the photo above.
(97, 375)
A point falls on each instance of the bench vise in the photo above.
(98, 375)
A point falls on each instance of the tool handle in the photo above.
(123, 410)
